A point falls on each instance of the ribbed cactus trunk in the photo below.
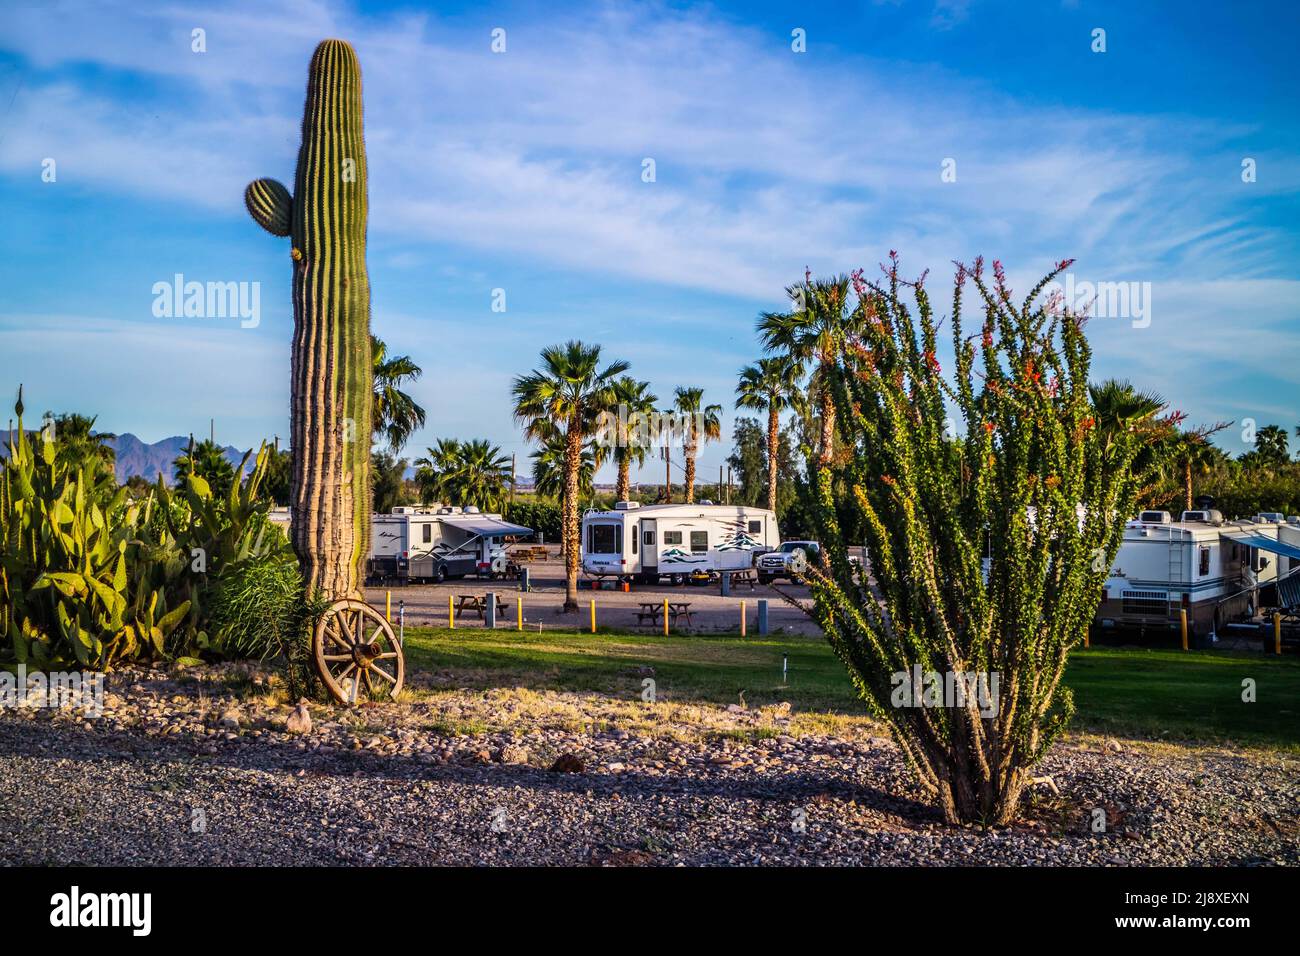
(331, 384)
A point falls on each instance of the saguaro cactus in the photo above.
(331, 369)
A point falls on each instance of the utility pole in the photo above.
(512, 477)
(277, 444)
(212, 430)
(721, 500)
(728, 484)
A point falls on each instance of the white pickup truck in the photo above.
(787, 561)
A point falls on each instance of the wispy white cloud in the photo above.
(765, 161)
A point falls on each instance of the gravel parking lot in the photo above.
(711, 613)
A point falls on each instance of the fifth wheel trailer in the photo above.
(649, 542)
(1217, 571)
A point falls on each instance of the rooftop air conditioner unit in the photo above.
(1209, 516)
(1155, 517)
(471, 510)
(626, 505)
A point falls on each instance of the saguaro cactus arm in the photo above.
(270, 205)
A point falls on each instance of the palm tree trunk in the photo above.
(690, 472)
(1187, 482)
(773, 439)
(828, 415)
(623, 487)
(572, 528)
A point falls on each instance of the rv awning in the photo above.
(1264, 544)
(477, 524)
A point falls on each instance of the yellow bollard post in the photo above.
(1277, 632)
(1182, 624)
(742, 618)
(520, 606)
(665, 617)
(388, 606)
(451, 612)
(593, 616)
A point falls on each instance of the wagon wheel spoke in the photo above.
(331, 633)
(387, 656)
(365, 676)
(374, 668)
(336, 657)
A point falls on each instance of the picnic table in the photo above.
(478, 604)
(523, 555)
(653, 611)
(743, 577)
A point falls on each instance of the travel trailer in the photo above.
(433, 544)
(649, 542)
(1218, 571)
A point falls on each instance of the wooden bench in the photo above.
(743, 577)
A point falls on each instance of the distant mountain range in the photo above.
(135, 457)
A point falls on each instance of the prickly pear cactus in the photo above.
(331, 388)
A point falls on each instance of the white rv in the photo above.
(654, 541)
(417, 544)
(1214, 569)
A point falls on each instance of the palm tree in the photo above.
(208, 461)
(566, 396)
(1271, 444)
(771, 386)
(77, 444)
(814, 332)
(395, 415)
(481, 475)
(702, 424)
(432, 470)
(1119, 407)
(635, 406)
(548, 468)
(1193, 455)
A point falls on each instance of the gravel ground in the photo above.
(200, 769)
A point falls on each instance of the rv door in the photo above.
(649, 545)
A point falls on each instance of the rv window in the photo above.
(604, 539)
(648, 538)
(1204, 568)
(699, 542)
(428, 533)
(756, 527)
(634, 537)
(672, 537)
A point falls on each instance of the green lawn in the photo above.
(1166, 694)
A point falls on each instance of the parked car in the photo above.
(787, 561)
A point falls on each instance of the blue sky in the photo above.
(522, 171)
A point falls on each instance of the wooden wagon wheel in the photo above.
(356, 653)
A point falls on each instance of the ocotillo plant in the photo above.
(962, 654)
(331, 383)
